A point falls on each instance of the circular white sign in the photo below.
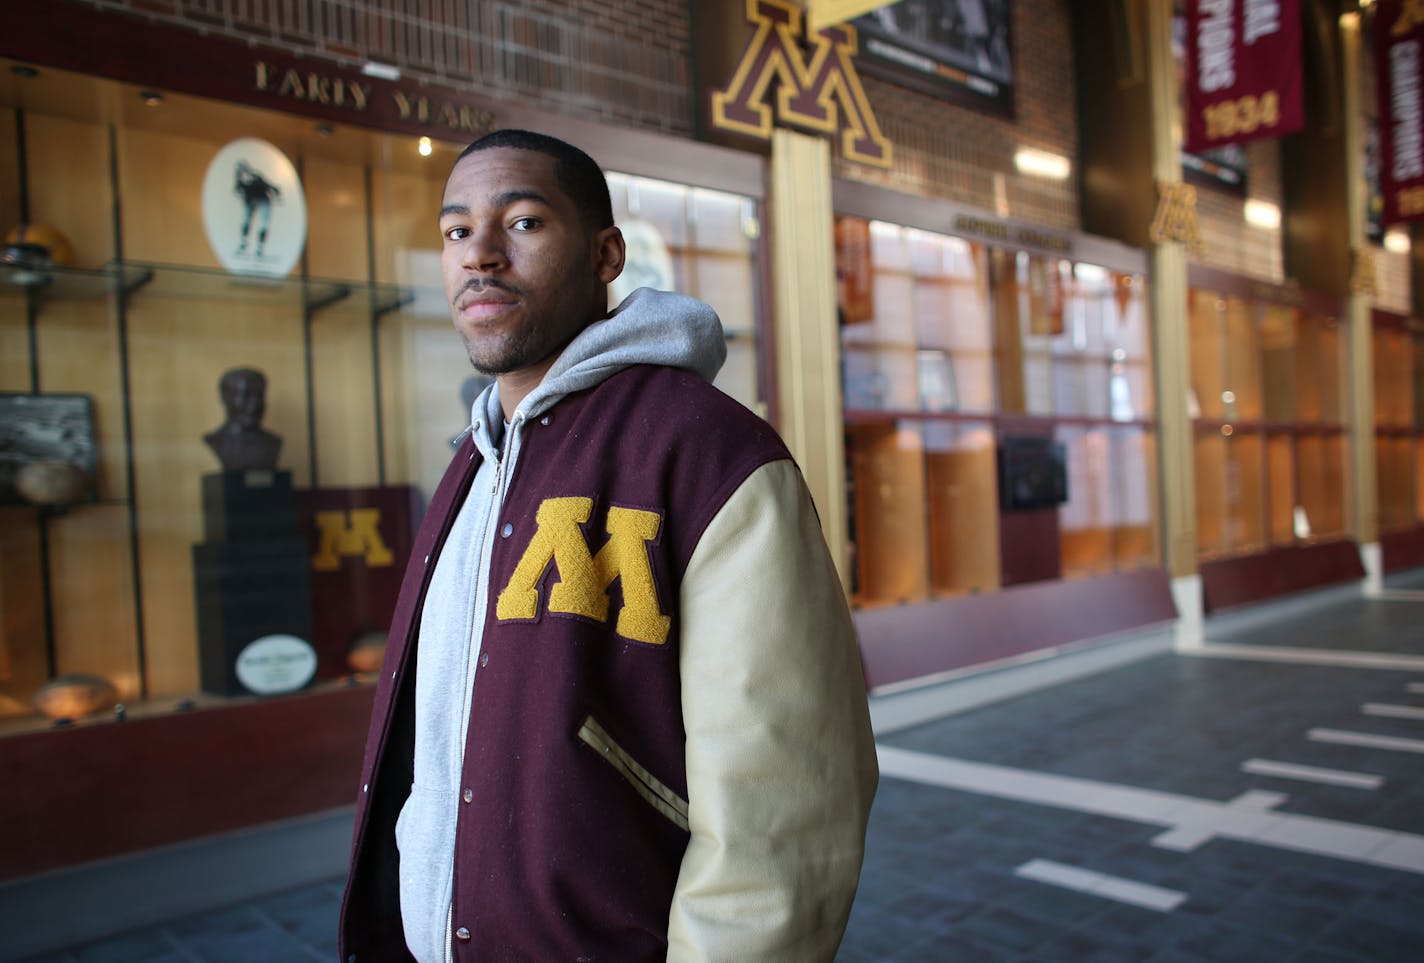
(253, 209)
(276, 663)
(648, 263)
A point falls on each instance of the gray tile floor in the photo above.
(941, 882)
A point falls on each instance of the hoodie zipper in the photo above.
(481, 604)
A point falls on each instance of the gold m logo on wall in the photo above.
(352, 533)
(584, 578)
(823, 94)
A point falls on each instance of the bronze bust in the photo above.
(241, 443)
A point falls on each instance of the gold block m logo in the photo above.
(584, 578)
(357, 532)
(815, 94)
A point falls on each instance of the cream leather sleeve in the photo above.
(780, 759)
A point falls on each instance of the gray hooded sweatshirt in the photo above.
(649, 327)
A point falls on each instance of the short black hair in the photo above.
(578, 175)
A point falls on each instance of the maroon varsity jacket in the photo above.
(569, 841)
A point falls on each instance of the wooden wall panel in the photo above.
(964, 517)
(343, 379)
(337, 235)
(69, 184)
(161, 188)
(22, 659)
(891, 538)
(14, 342)
(406, 214)
(9, 172)
(94, 617)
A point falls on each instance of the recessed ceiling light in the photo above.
(384, 71)
(1041, 163)
(150, 98)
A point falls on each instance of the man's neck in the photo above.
(514, 386)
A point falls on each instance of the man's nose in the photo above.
(485, 249)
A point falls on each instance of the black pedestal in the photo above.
(247, 505)
(252, 581)
(246, 591)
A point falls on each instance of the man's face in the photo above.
(523, 272)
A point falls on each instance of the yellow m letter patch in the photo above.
(584, 578)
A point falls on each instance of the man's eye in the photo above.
(525, 223)
(457, 233)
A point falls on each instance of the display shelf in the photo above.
(181, 281)
(67, 283)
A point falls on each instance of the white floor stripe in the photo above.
(1414, 687)
(1369, 740)
(1189, 821)
(1330, 777)
(1399, 595)
(1101, 884)
(1393, 712)
(1298, 656)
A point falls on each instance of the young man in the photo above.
(622, 715)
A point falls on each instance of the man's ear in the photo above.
(609, 254)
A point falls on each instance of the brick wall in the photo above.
(625, 61)
(1230, 243)
(966, 155)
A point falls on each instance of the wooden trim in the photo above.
(103, 789)
(1282, 570)
(981, 227)
(1203, 278)
(904, 644)
(1402, 549)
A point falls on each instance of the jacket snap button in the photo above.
(462, 934)
(468, 795)
(545, 420)
(506, 531)
(484, 659)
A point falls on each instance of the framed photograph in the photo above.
(37, 427)
(958, 49)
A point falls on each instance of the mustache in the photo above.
(476, 285)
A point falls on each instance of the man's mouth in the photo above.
(485, 297)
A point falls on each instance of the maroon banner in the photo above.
(1244, 71)
(1399, 65)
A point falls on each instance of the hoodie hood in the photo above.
(649, 327)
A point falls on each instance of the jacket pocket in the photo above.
(650, 787)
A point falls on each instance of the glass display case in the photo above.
(366, 381)
(951, 348)
(1398, 344)
(1266, 376)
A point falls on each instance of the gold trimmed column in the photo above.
(807, 339)
(1359, 359)
(1172, 356)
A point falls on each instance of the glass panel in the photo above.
(698, 242)
(963, 507)
(915, 332)
(1241, 395)
(1133, 461)
(1280, 354)
(1245, 494)
(1208, 364)
(1211, 492)
(1085, 521)
(1280, 459)
(890, 541)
